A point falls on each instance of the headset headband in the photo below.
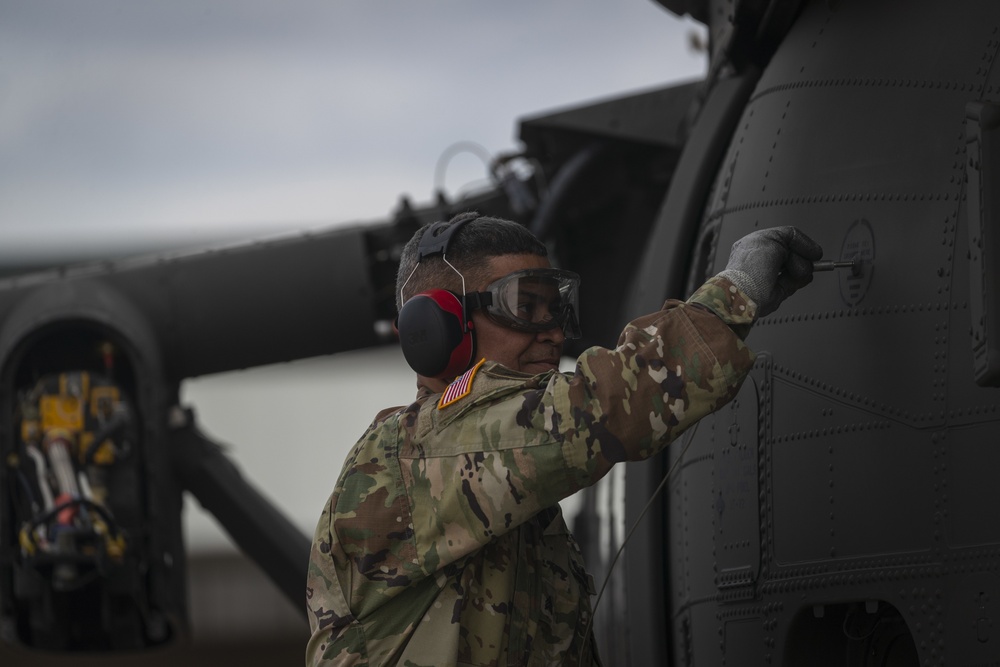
(436, 239)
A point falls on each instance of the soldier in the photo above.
(443, 543)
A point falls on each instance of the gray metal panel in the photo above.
(654, 117)
(737, 635)
(698, 507)
(869, 358)
(969, 488)
(845, 482)
(982, 129)
(737, 493)
(851, 155)
(876, 44)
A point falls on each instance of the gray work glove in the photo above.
(770, 264)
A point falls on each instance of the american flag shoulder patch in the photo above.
(460, 388)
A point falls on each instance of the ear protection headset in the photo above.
(435, 327)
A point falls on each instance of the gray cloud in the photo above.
(152, 122)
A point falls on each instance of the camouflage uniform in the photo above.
(443, 544)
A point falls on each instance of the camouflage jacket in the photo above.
(442, 543)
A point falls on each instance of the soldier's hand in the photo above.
(770, 264)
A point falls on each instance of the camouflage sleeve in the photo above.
(487, 467)
(670, 369)
(730, 304)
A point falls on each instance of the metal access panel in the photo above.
(982, 131)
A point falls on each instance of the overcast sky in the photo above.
(128, 122)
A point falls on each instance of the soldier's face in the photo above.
(519, 350)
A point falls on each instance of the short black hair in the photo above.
(479, 240)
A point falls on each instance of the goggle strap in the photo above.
(477, 300)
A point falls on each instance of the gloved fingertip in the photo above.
(805, 246)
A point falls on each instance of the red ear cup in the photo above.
(432, 336)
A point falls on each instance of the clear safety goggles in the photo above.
(532, 300)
